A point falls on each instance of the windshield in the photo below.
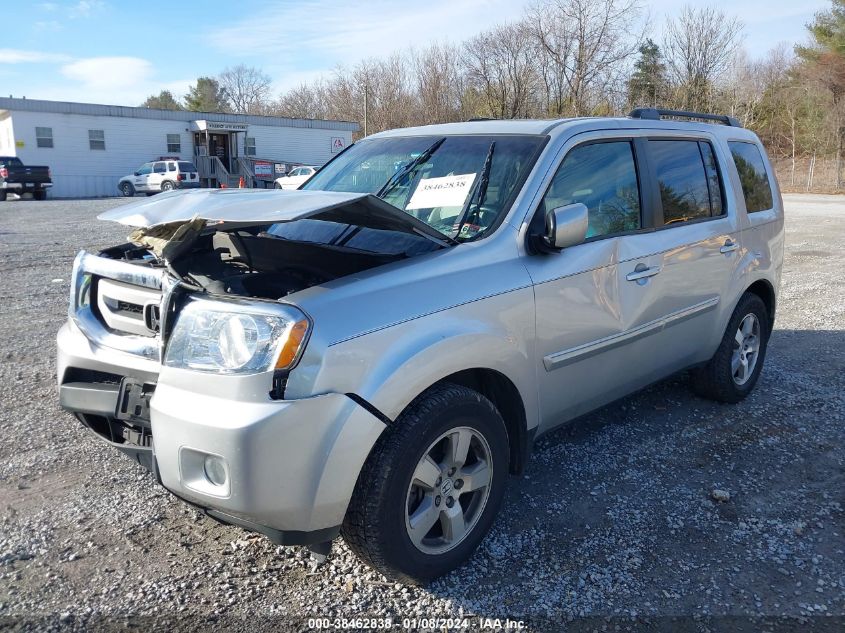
(460, 185)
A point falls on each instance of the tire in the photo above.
(150, 193)
(388, 496)
(277, 186)
(166, 186)
(725, 377)
(2, 195)
(40, 194)
(127, 189)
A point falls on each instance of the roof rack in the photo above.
(655, 114)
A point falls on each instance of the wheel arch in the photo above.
(505, 396)
(766, 291)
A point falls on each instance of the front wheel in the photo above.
(127, 189)
(735, 367)
(432, 486)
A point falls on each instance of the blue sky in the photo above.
(119, 52)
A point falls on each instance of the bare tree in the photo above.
(439, 84)
(247, 89)
(585, 47)
(308, 101)
(499, 65)
(699, 46)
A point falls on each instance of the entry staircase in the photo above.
(213, 173)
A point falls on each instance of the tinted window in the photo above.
(717, 206)
(682, 179)
(146, 168)
(171, 166)
(752, 174)
(602, 176)
(185, 167)
(159, 168)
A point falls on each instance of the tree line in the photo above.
(578, 58)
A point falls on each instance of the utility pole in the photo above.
(366, 91)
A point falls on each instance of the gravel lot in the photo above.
(613, 526)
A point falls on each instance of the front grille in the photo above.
(121, 306)
(77, 374)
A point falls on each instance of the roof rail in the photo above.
(656, 114)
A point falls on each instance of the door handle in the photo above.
(641, 272)
(729, 246)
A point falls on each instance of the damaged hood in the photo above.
(260, 206)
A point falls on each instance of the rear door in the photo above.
(675, 280)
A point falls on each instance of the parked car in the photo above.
(374, 354)
(295, 177)
(160, 175)
(15, 177)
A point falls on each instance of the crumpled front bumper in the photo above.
(290, 466)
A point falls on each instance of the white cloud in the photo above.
(49, 26)
(84, 8)
(344, 32)
(116, 73)
(18, 56)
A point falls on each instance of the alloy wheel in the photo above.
(746, 349)
(449, 490)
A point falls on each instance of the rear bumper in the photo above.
(187, 185)
(22, 187)
(290, 466)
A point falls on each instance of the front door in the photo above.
(218, 145)
(581, 321)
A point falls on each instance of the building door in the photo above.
(218, 145)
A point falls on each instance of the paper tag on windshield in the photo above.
(448, 191)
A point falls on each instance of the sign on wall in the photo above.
(281, 169)
(338, 144)
(263, 169)
(19, 144)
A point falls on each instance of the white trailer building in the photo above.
(88, 147)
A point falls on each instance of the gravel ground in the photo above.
(662, 511)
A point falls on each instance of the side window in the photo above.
(752, 174)
(682, 179)
(602, 176)
(171, 166)
(717, 206)
(146, 168)
(159, 168)
(97, 139)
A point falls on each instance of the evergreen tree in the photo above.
(206, 96)
(648, 84)
(163, 101)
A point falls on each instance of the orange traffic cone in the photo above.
(223, 185)
(241, 184)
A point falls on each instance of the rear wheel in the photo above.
(167, 186)
(735, 367)
(39, 194)
(127, 189)
(432, 486)
(2, 195)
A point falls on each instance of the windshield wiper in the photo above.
(480, 190)
(396, 178)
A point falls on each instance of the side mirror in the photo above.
(137, 173)
(566, 226)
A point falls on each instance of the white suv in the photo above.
(160, 175)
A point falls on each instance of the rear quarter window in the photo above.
(751, 168)
(183, 167)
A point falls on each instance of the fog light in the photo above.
(215, 470)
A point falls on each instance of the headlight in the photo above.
(235, 339)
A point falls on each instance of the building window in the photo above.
(249, 146)
(44, 136)
(174, 144)
(97, 139)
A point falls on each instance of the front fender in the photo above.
(390, 367)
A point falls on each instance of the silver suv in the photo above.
(374, 354)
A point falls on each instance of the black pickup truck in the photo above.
(15, 177)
